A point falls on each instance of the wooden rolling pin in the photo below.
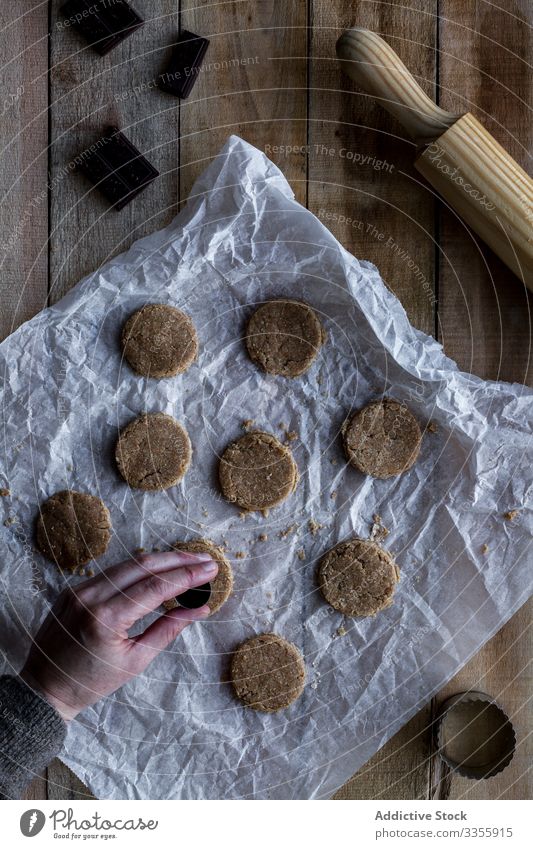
(460, 159)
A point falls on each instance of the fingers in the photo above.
(165, 629)
(124, 609)
(118, 578)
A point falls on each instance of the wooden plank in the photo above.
(356, 153)
(63, 784)
(253, 84)
(484, 312)
(24, 161)
(89, 92)
(485, 323)
(398, 771)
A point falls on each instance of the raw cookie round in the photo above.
(383, 439)
(153, 452)
(358, 578)
(159, 341)
(267, 673)
(284, 337)
(222, 585)
(73, 528)
(257, 471)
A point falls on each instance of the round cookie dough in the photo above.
(284, 337)
(159, 341)
(257, 471)
(383, 439)
(358, 578)
(73, 528)
(222, 585)
(267, 673)
(153, 452)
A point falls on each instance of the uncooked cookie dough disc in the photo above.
(267, 673)
(222, 585)
(153, 452)
(284, 337)
(383, 439)
(73, 528)
(358, 578)
(257, 471)
(159, 341)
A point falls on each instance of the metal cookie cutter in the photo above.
(475, 736)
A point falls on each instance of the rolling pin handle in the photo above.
(379, 71)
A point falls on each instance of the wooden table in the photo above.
(271, 77)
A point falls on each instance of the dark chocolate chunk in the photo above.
(116, 168)
(104, 23)
(197, 597)
(185, 64)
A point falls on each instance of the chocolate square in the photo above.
(117, 168)
(184, 65)
(104, 23)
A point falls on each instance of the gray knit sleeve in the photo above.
(31, 734)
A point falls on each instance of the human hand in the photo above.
(82, 651)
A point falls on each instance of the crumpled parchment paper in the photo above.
(177, 731)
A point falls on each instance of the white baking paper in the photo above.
(177, 731)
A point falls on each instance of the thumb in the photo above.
(164, 630)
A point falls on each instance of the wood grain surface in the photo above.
(270, 75)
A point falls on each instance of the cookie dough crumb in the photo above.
(314, 527)
(314, 685)
(301, 554)
(334, 462)
(511, 515)
(140, 550)
(333, 494)
(70, 467)
(290, 435)
(240, 555)
(247, 424)
(4, 492)
(288, 531)
(378, 531)
(81, 572)
(432, 427)
(243, 515)
(341, 631)
(10, 521)
(484, 548)
(262, 537)
(205, 513)
(90, 573)
(265, 513)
